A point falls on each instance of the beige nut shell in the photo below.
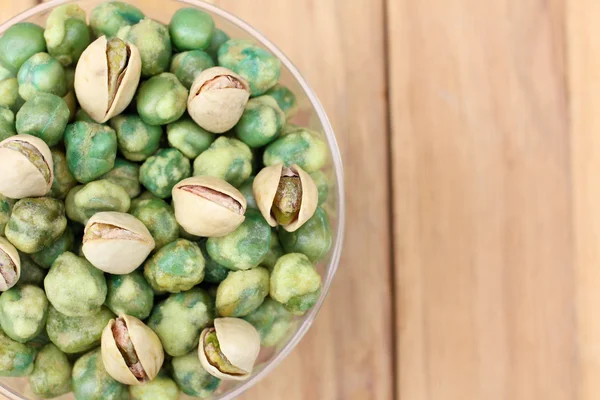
(217, 110)
(91, 81)
(202, 217)
(240, 344)
(20, 178)
(265, 187)
(13, 254)
(147, 346)
(118, 256)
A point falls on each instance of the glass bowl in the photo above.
(310, 114)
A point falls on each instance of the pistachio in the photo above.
(229, 349)
(131, 351)
(107, 77)
(10, 265)
(27, 167)
(285, 196)
(217, 99)
(116, 242)
(208, 206)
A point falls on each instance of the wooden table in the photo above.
(472, 261)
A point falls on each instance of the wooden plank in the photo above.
(482, 200)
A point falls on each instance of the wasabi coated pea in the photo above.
(9, 93)
(35, 223)
(92, 382)
(180, 318)
(246, 190)
(130, 295)
(46, 257)
(191, 377)
(261, 122)
(91, 150)
(31, 273)
(82, 116)
(46, 116)
(72, 211)
(23, 311)
(314, 238)
(191, 29)
(295, 283)
(19, 42)
(108, 17)
(51, 376)
(153, 41)
(218, 38)
(41, 73)
(161, 388)
(245, 247)
(163, 170)
(162, 99)
(67, 34)
(6, 206)
(97, 196)
(275, 251)
(159, 218)
(189, 138)
(213, 271)
(76, 334)
(125, 174)
(301, 147)
(285, 98)
(242, 292)
(272, 321)
(136, 139)
(63, 179)
(176, 267)
(187, 66)
(16, 359)
(7, 121)
(228, 159)
(322, 183)
(256, 65)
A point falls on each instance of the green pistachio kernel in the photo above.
(6, 206)
(159, 218)
(67, 34)
(7, 121)
(35, 223)
(226, 158)
(272, 321)
(162, 99)
(285, 98)
(91, 150)
(63, 179)
(187, 66)
(117, 55)
(51, 376)
(125, 174)
(31, 273)
(46, 116)
(46, 257)
(23, 311)
(188, 137)
(176, 267)
(191, 29)
(287, 201)
(19, 42)
(313, 239)
(275, 251)
(213, 271)
(242, 292)
(153, 41)
(245, 247)
(164, 170)
(191, 377)
(108, 17)
(215, 357)
(301, 147)
(160, 388)
(261, 122)
(16, 359)
(92, 382)
(295, 283)
(136, 139)
(32, 153)
(41, 73)
(130, 294)
(218, 38)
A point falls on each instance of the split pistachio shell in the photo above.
(10, 265)
(27, 167)
(116, 242)
(208, 206)
(217, 99)
(265, 190)
(103, 94)
(139, 344)
(238, 345)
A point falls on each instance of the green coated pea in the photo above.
(102, 195)
(176, 267)
(226, 158)
(246, 190)
(160, 388)
(91, 150)
(16, 359)
(322, 183)
(6, 206)
(130, 294)
(108, 17)
(67, 34)
(153, 41)
(23, 312)
(92, 382)
(7, 122)
(9, 94)
(187, 66)
(83, 116)
(261, 122)
(213, 271)
(136, 139)
(164, 170)
(72, 211)
(41, 73)
(46, 257)
(162, 99)
(295, 283)
(191, 29)
(218, 38)
(242, 292)
(272, 321)
(51, 376)
(63, 179)
(125, 174)
(314, 238)
(159, 218)
(45, 116)
(19, 42)
(275, 251)
(191, 377)
(188, 137)
(31, 273)
(301, 147)
(285, 98)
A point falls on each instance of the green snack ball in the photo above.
(313, 239)
(41, 73)
(91, 150)
(176, 267)
(191, 377)
(125, 174)
(285, 98)
(129, 294)
(31, 273)
(71, 102)
(245, 247)
(213, 271)
(242, 292)
(162, 99)
(272, 321)
(180, 318)
(76, 334)
(191, 29)
(19, 42)
(153, 41)
(46, 257)
(83, 116)
(6, 206)
(295, 283)
(218, 38)
(97, 196)
(23, 312)
(74, 287)
(164, 170)
(322, 183)
(160, 388)
(260, 123)
(159, 218)
(253, 63)
(63, 179)
(51, 376)
(136, 140)
(92, 382)
(275, 251)
(35, 223)
(7, 122)
(301, 147)
(16, 359)
(45, 116)
(187, 66)
(9, 94)
(226, 158)
(67, 34)
(108, 17)
(73, 212)
(188, 137)
(246, 190)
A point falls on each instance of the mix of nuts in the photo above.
(160, 217)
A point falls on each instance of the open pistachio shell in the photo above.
(131, 352)
(208, 206)
(265, 189)
(27, 167)
(103, 94)
(217, 99)
(238, 345)
(10, 265)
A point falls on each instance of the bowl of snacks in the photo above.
(171, 202)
